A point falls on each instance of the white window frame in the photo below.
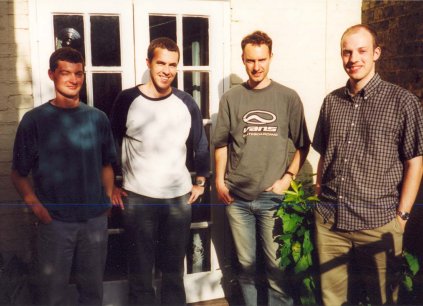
(43, 45)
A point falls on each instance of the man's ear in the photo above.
(147, 61)
(376, 53)
(51, 74)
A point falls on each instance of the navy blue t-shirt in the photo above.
(66, 149)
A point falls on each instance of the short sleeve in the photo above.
(297, 125)
(221, 131)
(109, 155)
(25, 147)
(412, 128)
(320, 139)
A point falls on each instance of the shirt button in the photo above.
(365, 98)
(356, 105)
(345, 160)
(340, 197)
(353, 124)
(349, 141)
(342, 179)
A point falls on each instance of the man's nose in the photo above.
(354, 57)
(73, 78)
(166, 69)
(256, 65)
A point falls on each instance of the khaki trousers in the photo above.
(376, 254)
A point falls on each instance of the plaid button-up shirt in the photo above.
(365, 140)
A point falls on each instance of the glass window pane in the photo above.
(198, 253)
(162, 26)
(105, 41)
(106, 87)
(69, 32)
(197, 85)
(196, 41)
(116, 263)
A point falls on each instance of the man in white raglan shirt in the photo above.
(156, 126)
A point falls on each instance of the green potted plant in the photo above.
(296, 241)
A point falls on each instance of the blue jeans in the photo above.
(248, 220)
(62, 243)
(156, 228)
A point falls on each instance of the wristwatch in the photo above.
(200, 182)
(403, 215)
(293, 176)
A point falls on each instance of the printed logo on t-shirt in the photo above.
(258, 123)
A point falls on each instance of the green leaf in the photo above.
(296, 251)
(301, 231)
(407, 283)
(313, 199)
(298, 208)
(280, 212)
(285, 262)
(285, 249)
(288, 192)
(294, 186)
(413, 262)
(302, 265)
(307, 244)
(291, 222)
(307, 296)
(285, 238)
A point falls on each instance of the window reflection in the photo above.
(162, 26)
(106, 87)
(196, 41)
(105, 41)
(69, 32)
(197, 85)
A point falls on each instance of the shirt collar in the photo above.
(369, 89)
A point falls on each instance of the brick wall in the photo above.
(15, 99)
(15, 83)
(399, 25)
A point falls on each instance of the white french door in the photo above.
(113, 36)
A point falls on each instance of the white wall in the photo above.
(306, 35)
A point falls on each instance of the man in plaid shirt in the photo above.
(370, 138)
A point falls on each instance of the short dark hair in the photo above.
(365, 27)
(257, 38)
(162, 43)
(66, 54)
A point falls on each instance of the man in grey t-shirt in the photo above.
(254, 125)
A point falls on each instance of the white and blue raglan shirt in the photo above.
(155, 136)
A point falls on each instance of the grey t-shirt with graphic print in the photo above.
(257, 125)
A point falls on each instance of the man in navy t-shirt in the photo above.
(68, 148)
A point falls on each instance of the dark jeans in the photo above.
(62, 243)
(156, 228)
